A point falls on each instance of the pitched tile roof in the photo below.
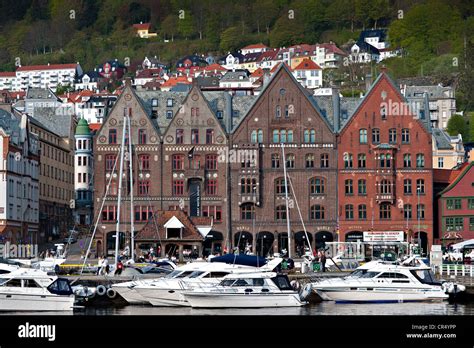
(307, 64)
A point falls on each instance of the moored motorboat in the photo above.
(249, 290)
(379, 281)
(34, 290)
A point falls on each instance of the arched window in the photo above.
(407, 211)
(361, 160)
(349, 211)
(420, 211)
(112, 136)
(253, 137)
(278, 111)
(362, 187)
(420, 186)
(280, 186)
(362, 212)
(363, 136)
(309, 160)
(275, 160)
(385, 187)
(290, 161)
(317, 212)
(324, 160)
(316, 186)
(260, 136)
(349, 190)
(420, 160)
(407, 187)
(348, 160)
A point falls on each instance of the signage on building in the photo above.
(383, 236)
(195, 198)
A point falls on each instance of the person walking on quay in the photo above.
(105, 265)
(322, 259)
(99, 266)
(119, 269)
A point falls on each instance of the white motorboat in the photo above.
(249, 290)
(378, 281)
(34, 290)
(128, 289)
(169, 291)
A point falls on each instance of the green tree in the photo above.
(286, 32)
(231, 39)
(458, 125)
(169, 26)
(185, 24)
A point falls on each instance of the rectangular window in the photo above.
(405, 136)
(211, 162)
(194, 136)
(211, 187)
(470, 203)
(178, 187)
(112, 137)
(143, 187)
(213, 211)
(142, 136)
(179, 136)
(471, 224)
(178, 162)
(144, 162)
(453, 204)
(209, 136)
(440, 162)
(392, 136)
(169, 102)
(110, 162)
(169, 114)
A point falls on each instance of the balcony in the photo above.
(385, 198)
(249, 198)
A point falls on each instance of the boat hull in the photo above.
(35, 302)
(209, 300)
(163, 297)
(380, 295)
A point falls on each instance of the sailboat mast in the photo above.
(119, 198)
(286, 199)
(132, 222)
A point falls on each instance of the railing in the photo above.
(456, 270)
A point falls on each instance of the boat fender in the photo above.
(305, 291)
(101, 290)
(295, 285)
(111, 293)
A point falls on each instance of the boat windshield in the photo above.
(425, 276)
(173, 274)
(282, 282)
(184, 274)
(362, 273)
(196, 274)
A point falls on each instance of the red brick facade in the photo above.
(385, 156)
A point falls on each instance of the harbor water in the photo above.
(323, 308)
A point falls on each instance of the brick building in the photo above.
(456, 208)
(284, 113)
(145, 137)
(385, 168)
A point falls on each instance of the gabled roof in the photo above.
(442, 139)
(307, 64)
(284, 67)
(251, 57)
(155, 229)
(254, 46)
(257, 73)
(380, 33)
(142, 26)
(365, 47)
(268, 55)
(332, 48)
(367, 96)
(458, 179)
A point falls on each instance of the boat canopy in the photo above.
(245, 260)
(459, 246)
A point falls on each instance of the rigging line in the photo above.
(299, 212)
(100, 212)
(148, 198)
